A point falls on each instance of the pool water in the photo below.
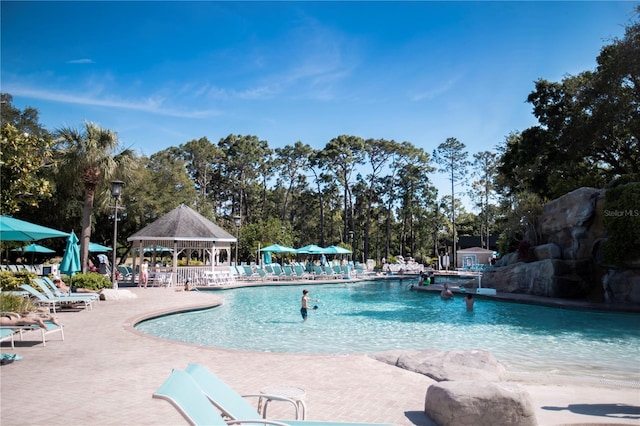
(368, 317)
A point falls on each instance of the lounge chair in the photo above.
(52, 302)
(126, 274)
(249, 274)
(50, 289)
(271, 273)
(318, 271)
(262, 274)
(186, 396)
(162, 279)
(300, 272)
(210, 279)
(329, 272)
(10, 331)
(288, 272)
(277, 270)
(234, 406)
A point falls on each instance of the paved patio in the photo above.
(105, 372)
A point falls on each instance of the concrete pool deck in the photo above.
(105, 372)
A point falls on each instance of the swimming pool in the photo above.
(368, 317)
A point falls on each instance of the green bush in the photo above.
(622, 222)
(17, 304)
(10, 281)
(90, 280)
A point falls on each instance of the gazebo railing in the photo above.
(197, 274)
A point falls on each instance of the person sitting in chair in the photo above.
(65, 288)
(9, 320)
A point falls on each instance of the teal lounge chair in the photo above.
(9, 332)
(301, 273)
(50, 289)
(288, 272)
(52, 302)
(186, 396)
(277, 270)
(249, 274)
(234, 406)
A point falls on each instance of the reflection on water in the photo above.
(384, 315)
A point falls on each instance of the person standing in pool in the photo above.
(305, 304)
(469, 302)
(446, 294)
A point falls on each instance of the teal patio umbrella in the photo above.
(277, 248)
(12, 229)
(98, 248)
(33, 248)
(70, 263)
(336, 250)
(310, 249)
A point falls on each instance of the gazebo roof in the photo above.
(182, 224)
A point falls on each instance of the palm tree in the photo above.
(91, 155)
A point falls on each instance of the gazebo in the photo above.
(183, 230)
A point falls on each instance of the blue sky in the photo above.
(163, 73)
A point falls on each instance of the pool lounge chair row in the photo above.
(36, 269)
(216, 278)
(275, 272)
(203, 399)
(47, 299)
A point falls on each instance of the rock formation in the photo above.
(470, 388)
(446, 366)
(478, 403)
(565, 260)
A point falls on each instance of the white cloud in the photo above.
(81, 61)
(434, 92)
(152, 104)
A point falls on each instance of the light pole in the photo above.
(351, 239)
(116, 191)
(237, 220)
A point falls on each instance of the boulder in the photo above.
(622, 286)
(479, 403)
(508, 259)
(547, 251)
(549, 277)
(567, 222)
(117, 294)
(444, 366)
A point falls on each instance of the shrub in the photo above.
(10, 281)
(90, 280)
(15, 303)
(622, 222)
